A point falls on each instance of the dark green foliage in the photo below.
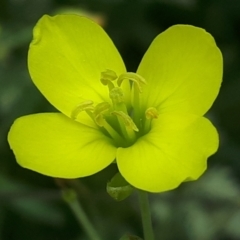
(31, 205)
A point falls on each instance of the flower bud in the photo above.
(118, 188)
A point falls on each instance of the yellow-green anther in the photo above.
(128, 122)
(107, 77)
(137, 79)
(99, 111)
(84, 106)
(151, 113)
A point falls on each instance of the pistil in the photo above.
(117, 96)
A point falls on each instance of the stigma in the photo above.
(115, 118)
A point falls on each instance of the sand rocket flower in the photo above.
(150, 121)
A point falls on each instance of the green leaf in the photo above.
(130, 237)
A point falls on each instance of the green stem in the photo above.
(146, 215)
(70, 198)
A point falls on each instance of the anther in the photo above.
(84, 106)
(137, 79)
(128, 122)
(99, 114)
(107, 77)
(151, 113)
(100, 110)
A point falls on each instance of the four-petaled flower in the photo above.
(150, 122)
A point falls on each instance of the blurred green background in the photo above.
(30, 204)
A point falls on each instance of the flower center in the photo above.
(123, 123)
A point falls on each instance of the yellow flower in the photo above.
(150, 121)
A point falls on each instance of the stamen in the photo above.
(114, 119)
(137, 79)
(127, 125)
(126, 119)
(107, 77)
(100, 111)
(151, 113)
(84, 106)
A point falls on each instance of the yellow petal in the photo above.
(66, 58)
(176, 149)
(53, 145)
(183, 69)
